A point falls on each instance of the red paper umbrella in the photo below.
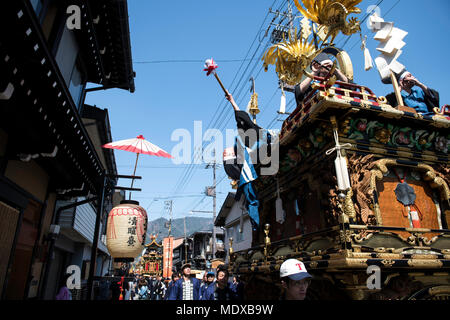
(138, 145)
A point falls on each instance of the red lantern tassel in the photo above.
(415, 217)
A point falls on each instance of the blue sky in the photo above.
(172, 95)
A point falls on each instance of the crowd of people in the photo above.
(184, 286)
(294, 281)
(136, 288)
(213, 286)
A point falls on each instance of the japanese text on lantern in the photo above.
(132, 221)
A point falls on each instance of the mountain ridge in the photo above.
(193, 224)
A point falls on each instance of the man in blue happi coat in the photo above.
(186, 288)
(415, 94)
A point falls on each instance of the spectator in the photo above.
(64, 292)
(237, 287)
(143, 292)
(208, 287)
(105, 288)
(158, 289)
(202, 286)
(295, 280)
(175, 277)
(220, 290)
(115, 290)
(127, 285)
(186, 288)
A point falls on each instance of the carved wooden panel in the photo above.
(394, 214)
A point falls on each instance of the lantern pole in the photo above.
(95, 241)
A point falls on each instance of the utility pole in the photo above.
(185, 241)
(282, 30)
(291, 20)
(208, 193)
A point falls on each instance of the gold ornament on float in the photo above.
(331, 16)
(290, 58)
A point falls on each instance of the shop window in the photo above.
(77, 84)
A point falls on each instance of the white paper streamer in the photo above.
(391, 43)
(368, 62)
(282, 102)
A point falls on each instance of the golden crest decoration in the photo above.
(290, 58)
(293, 56)
(331, 15)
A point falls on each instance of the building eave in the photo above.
(111, 44)
(40, 113)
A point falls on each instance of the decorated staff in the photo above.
(210, 67)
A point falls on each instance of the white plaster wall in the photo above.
(232, 221)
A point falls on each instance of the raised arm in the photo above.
(230, 98)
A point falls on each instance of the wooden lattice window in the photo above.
(9, 218)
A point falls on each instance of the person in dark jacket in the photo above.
(105, 288)
(320, 67)
(175, 278)
(208, 287)
(158, 288)
(237, 287)
(187, 288)
(220, 289)
(415, 94)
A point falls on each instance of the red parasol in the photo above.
(138, 145)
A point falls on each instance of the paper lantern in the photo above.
(126, 230)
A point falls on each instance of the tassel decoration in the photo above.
(283, 101)
(368, 62)
(280, 214)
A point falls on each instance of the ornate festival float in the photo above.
(363, 180)
(151, 262)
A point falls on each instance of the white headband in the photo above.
(403, 75)
(324, 61)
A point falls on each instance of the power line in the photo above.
(188, 61)
(224, 123)
(383, 17)
(365, 18)
(155, 167)
(188, 173)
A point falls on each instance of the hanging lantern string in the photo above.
(338, 146)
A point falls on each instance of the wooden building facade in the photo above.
(46, 152)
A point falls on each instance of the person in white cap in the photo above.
(295, 279)
(320, 67)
